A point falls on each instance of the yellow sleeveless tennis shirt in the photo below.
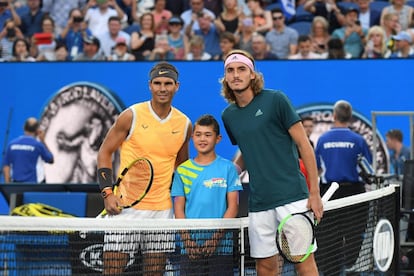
(159, 141)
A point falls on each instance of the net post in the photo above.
(397, 241)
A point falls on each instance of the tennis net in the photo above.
(357, 235)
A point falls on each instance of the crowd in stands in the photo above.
(136, 30)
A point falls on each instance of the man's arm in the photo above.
(113, 140)
(308, 157)
(183, 154)
(6, 173)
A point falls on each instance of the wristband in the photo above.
(105, 178)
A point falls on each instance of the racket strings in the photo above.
(135, 182)
(296, 238)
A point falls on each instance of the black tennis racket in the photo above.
(133, 183)
(295, 237)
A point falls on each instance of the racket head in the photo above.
(295, 237)
(134, 182)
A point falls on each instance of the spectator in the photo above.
(336, 50)
(8, 35)
(161, 16)
(108, 39)
(320, 35)
(162, 50)
(21, 50)
(376, 46)
(227, 43)
(352, 34)
(368, 17)
(59, 10)
(176, 39)
(73, 33)
(44, 46)
(305, 49)
(23, 154)
(327, 9)
(244, 37)
(391, 27)
(193, 199)
(32, 19)
(143, 41)
(282, 39)
(403, 11)
(260, 49)
(120, 51)
(61, 52)
(404, 49)
(229, 19)
(91, 50)
(7, 11)
(399, 153)
(197, 49)
(262, 19)
(208, 31)
(197, 10)
(97, 17)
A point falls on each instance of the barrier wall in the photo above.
(380, 85)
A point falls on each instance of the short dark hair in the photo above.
(303, 38)
(343, 111)
(31, 125)
(208, 120)
(395, 134)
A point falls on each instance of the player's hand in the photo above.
(112, 205)
(316, 205)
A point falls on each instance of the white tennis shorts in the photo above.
(148, 242)
(263, 226)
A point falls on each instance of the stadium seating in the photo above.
(302, 15)
(302, 27)
(378, 5)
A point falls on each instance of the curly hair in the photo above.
(256, 84)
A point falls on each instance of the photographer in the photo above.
(352, 34)
(74, 31)
(8, 35)
(7, 11)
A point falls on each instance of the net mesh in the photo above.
(88, 246)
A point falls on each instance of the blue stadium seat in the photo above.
(378, 5)
(344, 6)
(4, 205)
(302, 27)
(303, 15)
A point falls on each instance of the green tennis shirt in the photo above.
(260, 129)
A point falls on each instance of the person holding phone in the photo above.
(74, 31)
(352, 34)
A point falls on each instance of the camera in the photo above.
(78, 19)
(358, 22)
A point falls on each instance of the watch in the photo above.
(106, 192)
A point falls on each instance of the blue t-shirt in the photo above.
(397, 164)
(22, 155)
(205, 189)
(337, 151)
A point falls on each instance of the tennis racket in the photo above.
(295, 237)
(133, 183)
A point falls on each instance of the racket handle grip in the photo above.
(329, 193)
